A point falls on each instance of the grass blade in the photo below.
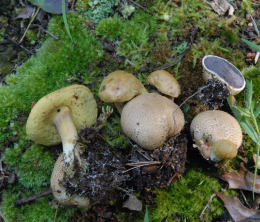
(251, 45)
(248, 127)
(146, 216)
(257, 111)
(249, 93)
(65, 19)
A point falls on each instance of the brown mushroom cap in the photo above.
(81, 103)
(212, 126)
(120, 86)
(149, 119)
(59, 191)
(165, 83)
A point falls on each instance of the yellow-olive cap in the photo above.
(120, 86)
(165, 83)
(78, 98)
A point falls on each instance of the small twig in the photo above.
(17, 44)
(31, 198)
(140, 6)
(207, 205)
(194, 94)
(255, 25)
(32, 19)
(143, 163)
(148, 163)
(46, 31)
(243, 195)
(56, 212)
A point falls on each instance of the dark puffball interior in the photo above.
(225, 70)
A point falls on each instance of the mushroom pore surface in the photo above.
(78, 99)
(211, 126)
(149, 119)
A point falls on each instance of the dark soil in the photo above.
(114, 174)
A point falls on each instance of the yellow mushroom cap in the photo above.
(165, 83)
(212, 126)
(149, 119)
(78, 98)
(120, 86)
(59, 191)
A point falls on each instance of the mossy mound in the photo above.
(170, 34)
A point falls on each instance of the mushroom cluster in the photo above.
(146, 118)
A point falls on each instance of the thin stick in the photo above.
(31, 198)
(194, 94)
(255, 25)
(17, 44)
(141, 165)
(46, 31)
(56, 212)
(207, 206)
(143, 162)
(32, 19)
(140, 6)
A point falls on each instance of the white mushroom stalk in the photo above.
(68, 133)
(58, 116)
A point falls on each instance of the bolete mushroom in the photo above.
(59, 191)
(217, 134)
(149, 119)
(165, 83)
(59, 115)
(218, 68)
(119, 87)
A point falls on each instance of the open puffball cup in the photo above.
(215, 67)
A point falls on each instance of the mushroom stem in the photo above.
(68, 133)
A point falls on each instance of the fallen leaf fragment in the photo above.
(221, 7)
(133, 203)
(26, 12)
(237, 210)
(242, 179)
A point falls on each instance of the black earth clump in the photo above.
(213, 94)
(109, 174)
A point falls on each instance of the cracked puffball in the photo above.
(59, 190)
(58, 116)
(150, 119)
(218, 68)
(119, 87)
(217, 135)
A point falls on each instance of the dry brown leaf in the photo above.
(242, 179)
(238, 211)
(221, 7)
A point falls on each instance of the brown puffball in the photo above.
(149, 119)
(213, 126)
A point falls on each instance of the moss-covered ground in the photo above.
(111, 35)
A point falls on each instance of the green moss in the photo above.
(186, 198)
(40, 210)
(110, 28)
(50, 69)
